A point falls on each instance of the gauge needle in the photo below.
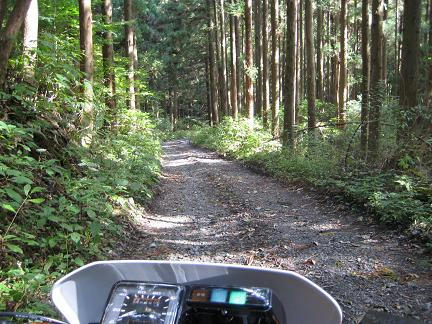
(128, 314)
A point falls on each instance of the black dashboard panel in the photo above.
(153, 303)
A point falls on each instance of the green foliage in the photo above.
(60, 204)
(57, 212)
(236, 8)
(234, 138)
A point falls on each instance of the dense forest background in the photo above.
(332, 94)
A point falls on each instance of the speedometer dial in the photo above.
(134, 302)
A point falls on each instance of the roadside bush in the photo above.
(57, 207)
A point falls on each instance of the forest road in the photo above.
(213, 210)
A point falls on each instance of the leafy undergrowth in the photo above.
(59, 207)
(398, 198)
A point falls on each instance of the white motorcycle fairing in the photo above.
(81, 296)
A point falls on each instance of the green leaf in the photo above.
(50, 172)
(68, 227)
(37, 201)
(91, 213)
(73, 209)
(95, 229)
(22, 180)
(48, 265)
(10, 237)
(3, 125)
(75, 237)
(14, 248)
(16, 272)
(14, 195)
(52, 242)
(28, 235)
(27, 189)
(30, 242)
(14, 173)
(122, 182)
(78, 227)
(36, 190)
(54, 218)
(79, 262)
(9, 207)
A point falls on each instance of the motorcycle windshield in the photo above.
(82, 295)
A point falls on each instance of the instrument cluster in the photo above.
(154, 303)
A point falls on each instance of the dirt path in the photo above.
(209, 209)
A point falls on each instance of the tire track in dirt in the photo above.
(213, 210)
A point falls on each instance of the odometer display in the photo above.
(134, 302)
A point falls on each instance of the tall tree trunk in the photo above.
(30, 42)
(208, 91)
(258, 57)
(353, 94)
(299, 63)
(320, 62)
(213, 68)
(343, 65)
(283, 47)
(171, 108)
(234, 89)
(249, 62)
(384, 47)
(266, 82)
(275, 66)
(410, 56)
(175, 110)
(301, 42)
(173, 100)
(355, 46)
(86, 45)
(223, 68)
(238, 40)
(376, 77)
(8, 35)
(365, 77)
(310, 57)
(221, 82)
(129, 47)
(244, 70)
(136, 80)
(290, 78)
(401, 27)
(328, 58)
(396, 50)
(334, 64)
(428, 93)
(108, 58)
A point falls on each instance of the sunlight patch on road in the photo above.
(167, 222)
(325, 227)
(188, 242)
(190, 161)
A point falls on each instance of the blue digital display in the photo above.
(238, 297)
(219, 295)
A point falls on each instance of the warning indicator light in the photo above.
(219, 296)
(238, 297)
(200, 295)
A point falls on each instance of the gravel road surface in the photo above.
(214, 210)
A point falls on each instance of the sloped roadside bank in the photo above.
(62, 205)
(212, 210)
